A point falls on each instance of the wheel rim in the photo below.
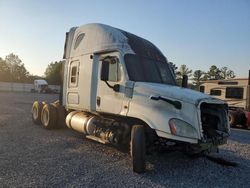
(35, 113)
(45, 117)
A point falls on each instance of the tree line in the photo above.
(198, 76)
(13, 70)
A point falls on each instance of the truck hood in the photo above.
(172, 92)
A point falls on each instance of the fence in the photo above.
(22, 87)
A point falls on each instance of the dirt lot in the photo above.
(31, 156)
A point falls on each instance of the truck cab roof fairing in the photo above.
(100, 37)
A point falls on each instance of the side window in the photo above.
(114, 71)
(215, 92)
(73, 75)
(202, 89)
(74, 72)
(234, 92)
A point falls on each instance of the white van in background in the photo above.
(41, 86)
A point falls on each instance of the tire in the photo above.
(137, 148)
(61, 115)
(232, 119)
(49, 116)
(242, 119)
(36, 112)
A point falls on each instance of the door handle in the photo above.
(98, 101)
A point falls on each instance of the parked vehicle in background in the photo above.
(119, 89)
(41, 86)
(236, 92)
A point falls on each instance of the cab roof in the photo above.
(95, 37)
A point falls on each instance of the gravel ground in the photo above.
(31, 156)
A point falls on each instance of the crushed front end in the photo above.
(214, 127)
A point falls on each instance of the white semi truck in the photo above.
(119, 89)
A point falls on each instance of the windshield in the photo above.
(147, 70)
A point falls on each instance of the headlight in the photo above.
(181, 128)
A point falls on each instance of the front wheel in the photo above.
(137, 148)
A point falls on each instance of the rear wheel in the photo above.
(137, 148)
(36, 112)
(61, 115)
(49, 116)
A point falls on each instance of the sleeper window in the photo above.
(74, 74)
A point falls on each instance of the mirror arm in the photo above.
(115, 87)
(110, 86)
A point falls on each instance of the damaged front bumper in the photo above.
(208, 145)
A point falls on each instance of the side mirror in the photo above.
(106, 75)
(184, 81)
(105, 70)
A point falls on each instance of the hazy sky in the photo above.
(192, 32)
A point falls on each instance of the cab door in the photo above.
(110, 93)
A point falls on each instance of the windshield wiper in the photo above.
(176, 104)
